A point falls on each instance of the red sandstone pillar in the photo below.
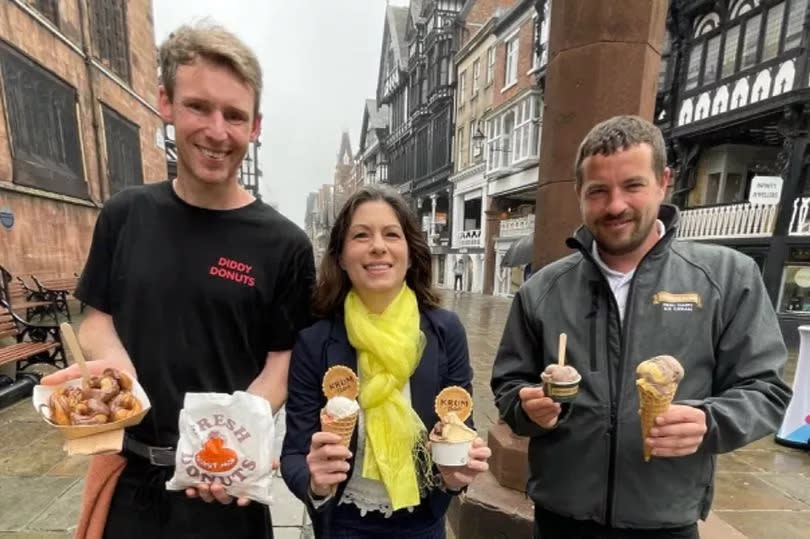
(604, 59)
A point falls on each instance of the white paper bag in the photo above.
(228, 438)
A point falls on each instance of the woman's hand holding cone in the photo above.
(327, 462)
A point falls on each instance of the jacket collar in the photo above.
(583, 239)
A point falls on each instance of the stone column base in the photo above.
(489, 511)
(509, 462)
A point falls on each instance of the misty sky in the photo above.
(320, 60)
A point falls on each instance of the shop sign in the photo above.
(765, 190)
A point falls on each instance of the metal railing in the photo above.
(800, 218)
(469, 238)
(517, 226)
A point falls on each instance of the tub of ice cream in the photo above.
(560, 382)
(450, 440)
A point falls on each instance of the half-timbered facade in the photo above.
(416, 82)
(734, 107)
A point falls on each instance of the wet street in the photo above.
(762, 491)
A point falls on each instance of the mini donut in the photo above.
(97, 407)
(62, 402)
(104, 387)
(60, 409)
(90, 412)
(123, 379)
(124, 406)
(90, 419)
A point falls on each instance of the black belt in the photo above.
(157, 456)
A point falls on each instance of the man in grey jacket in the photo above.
(632, 292)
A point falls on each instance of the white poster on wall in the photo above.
(765, 190)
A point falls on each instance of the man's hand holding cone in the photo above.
(667, 430)
(677, 432)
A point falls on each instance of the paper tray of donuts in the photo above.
(93, 415)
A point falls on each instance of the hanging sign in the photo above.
(765, 190)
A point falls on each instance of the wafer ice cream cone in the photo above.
(339, 416)
(657, 381)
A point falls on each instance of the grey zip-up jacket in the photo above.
(704, 304)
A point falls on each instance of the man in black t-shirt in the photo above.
(193, 285)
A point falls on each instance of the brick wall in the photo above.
(49, 237)
(51, 234)
(482, 10)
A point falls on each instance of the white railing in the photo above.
(732, 221)
(469, 238)
(517, 227)
(800, 220)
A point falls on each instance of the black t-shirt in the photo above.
(198, 296)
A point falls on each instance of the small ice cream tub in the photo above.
(450, 440)
(561, 391)
(450, 453)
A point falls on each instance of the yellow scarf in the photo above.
(389, 347)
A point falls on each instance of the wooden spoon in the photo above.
(69, 338)
(561, 350)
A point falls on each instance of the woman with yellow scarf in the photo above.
(382, 320)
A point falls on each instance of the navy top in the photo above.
(445, 362)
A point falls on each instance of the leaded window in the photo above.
(730, 51)
(48, 8)
(123, 143)
(712, 57)
(795, 23)
(109, 32)
(693, 71)
(750, 42)
(44, 127)
(773, 31)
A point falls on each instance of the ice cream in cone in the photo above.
(656, 380)
(339, 416)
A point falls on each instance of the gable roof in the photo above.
(416, 10)
(397, 18)
(394, 30)
(377, 117)
(373, 118)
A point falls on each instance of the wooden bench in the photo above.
(61, 289)
(24, 299)
(35, 343)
